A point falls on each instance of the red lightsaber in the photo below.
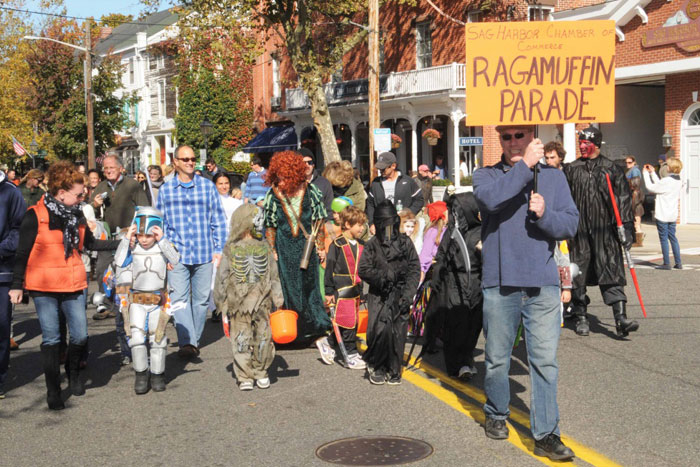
(621, 235)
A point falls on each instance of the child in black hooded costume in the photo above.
(390, 265)
(456, 300)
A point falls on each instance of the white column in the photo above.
(456, 116)
(353, 142)
(414, 141)
(570, 142)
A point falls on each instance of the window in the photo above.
(160, 61)
(475, 16)
(694, 119)
(131, 71)
(276, 85)
(424, 45)
(539, 13)
(161, 99)
(135, 114)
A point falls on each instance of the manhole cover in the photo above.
(379, 450)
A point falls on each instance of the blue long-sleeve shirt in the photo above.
(518, 249)
(193, 218)
(255, 186)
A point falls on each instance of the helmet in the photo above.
(340, 203)
(146, 218)
(591, 134)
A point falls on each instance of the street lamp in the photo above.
(666, 140)
(206, 128)
(33, 148)
(87, 81)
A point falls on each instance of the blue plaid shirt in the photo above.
(193, 218)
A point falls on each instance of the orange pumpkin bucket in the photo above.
(284, 326)
(362, 320)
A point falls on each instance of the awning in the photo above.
(273, 139)
(126, 144)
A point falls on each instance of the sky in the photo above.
(96, 8)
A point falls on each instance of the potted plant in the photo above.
(432, 136)
(395, 141)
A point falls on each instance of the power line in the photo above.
(56, 15)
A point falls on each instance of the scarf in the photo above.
(68, 219)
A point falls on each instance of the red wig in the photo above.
(287, 172)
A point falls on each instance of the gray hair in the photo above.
(116, 158)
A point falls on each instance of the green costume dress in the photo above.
(300, 287)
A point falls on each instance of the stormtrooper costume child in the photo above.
(148, 253)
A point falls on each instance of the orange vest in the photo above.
(48, 270)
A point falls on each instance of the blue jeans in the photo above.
(667, 232)
(48, 306)
(190, 283)
(539, 309)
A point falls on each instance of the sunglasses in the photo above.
(508, 137)
(187, 159)
(309, 162)
(629, 162)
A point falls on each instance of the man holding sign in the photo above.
(521, 281)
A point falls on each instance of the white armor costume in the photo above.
(148, 298)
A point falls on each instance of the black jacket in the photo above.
(407, 191)
(12, 209)
(595, 248)
(324, 185)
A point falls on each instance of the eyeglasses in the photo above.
(629, 162)
(508, 137)
(187, 159)
(78, 196)
(39, 179)
(309, 162)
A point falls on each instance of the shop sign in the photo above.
(540, 72)
(681, 29)
(471, 141)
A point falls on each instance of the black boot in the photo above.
(158, 382)
(51, 360)
(141, 382)
(75, 352)
(582, 327)
(623, 326)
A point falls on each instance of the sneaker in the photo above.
(101, 313)
(246, 386)
(552, 447)
(678, 266)
(466, 372)
(355, 362)
(126, 360)
(377, 377)
(324, 348)
(665, 267)
(263, 383)
(582, 327)
(496, 429)
(394, 380)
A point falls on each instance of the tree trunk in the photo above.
(323, 123)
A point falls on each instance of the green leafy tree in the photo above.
(58, 93)
(315, 34)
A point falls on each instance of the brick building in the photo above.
(422, 85)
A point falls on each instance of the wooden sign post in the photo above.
(540, 72)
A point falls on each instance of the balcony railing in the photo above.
(405, 83)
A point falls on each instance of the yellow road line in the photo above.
(475, 412)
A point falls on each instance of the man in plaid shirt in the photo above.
(194, 221)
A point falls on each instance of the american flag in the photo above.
(19, 149)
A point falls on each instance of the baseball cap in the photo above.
(502, 128)
(423, 167)
(385, 159)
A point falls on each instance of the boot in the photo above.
(582, 327)
(638, 239)
(623, 326)
(75, 352)
(158, 382)
(141, 383)
(50, 358)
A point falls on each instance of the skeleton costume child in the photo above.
(147, 300)
(247, 288)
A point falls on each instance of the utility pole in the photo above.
(373, 62)
(88, 98)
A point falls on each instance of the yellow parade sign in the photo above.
(541, 72)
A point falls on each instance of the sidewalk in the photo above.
(688, 238)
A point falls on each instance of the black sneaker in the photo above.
(552, 447)
(495, 429)
(377, 377)
(394, 380)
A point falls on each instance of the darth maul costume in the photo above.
(596, 246)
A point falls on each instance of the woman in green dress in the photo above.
(294, 210)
